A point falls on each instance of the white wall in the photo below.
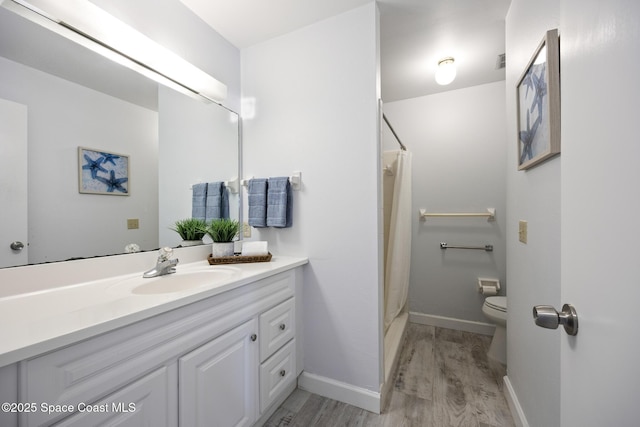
(315, 94)
(533, 269)
(458, 141)
(61, 117)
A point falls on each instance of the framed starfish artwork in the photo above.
(538, 104)
(102, 172)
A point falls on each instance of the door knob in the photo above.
(546, 316)
(17, 246)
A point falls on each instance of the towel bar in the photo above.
(445, 245)
(232, 185)
(295, 180)
(490, 214)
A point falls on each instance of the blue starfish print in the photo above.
(541, 90)
(110, 158)
(94, 165)
(113, 183)
(527, 82)
(526, 136)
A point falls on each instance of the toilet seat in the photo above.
(497, 303)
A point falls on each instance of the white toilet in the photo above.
(495, 308)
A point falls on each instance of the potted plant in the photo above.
(222, 232)
(192, 230)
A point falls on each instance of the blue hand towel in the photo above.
(217, 201)
(198, 200)
(224, 208)
(257, 194)
(279, 203)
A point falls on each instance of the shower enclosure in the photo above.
(396, 183)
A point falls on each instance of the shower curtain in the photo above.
(396, 281)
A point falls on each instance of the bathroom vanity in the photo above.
(208, 345)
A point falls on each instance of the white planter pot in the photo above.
(221, 249)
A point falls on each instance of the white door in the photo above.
(13, 182)
(600, 61)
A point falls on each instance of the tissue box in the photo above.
(255, 248)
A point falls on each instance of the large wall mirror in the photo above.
(56, 96)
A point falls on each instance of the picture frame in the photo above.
(103, 172)
(538, 104)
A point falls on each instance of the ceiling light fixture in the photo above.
(97, 30)
(446, 71)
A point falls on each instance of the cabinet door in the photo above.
(145, 402)
(218, 382)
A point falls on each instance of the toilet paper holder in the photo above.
(488, 287)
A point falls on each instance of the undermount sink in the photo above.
(176, 282)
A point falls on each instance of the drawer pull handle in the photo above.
(283, 373)
(283, 326)
(254, 337)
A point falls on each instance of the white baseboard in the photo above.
(514, 404)
(343, 392)
(452, 323)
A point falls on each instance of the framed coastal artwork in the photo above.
(538, 104)
(102, 172)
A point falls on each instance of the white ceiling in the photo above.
(247, 22)
(415, 34)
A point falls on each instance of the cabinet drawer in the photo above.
(276, 373)
(277, 326)
(145, 402)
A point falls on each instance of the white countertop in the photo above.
(36, 322)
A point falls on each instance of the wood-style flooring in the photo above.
(443, 379)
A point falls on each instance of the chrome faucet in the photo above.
(164, 265)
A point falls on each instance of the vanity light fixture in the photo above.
(94, 28)
(446, 71)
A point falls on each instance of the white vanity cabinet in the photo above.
(226, 360)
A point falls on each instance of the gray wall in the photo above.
(458, 142)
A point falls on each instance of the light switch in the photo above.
(522, 231)
(133, 223)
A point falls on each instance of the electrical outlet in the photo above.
(522, 231)
(246, 229)
(133, 223)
